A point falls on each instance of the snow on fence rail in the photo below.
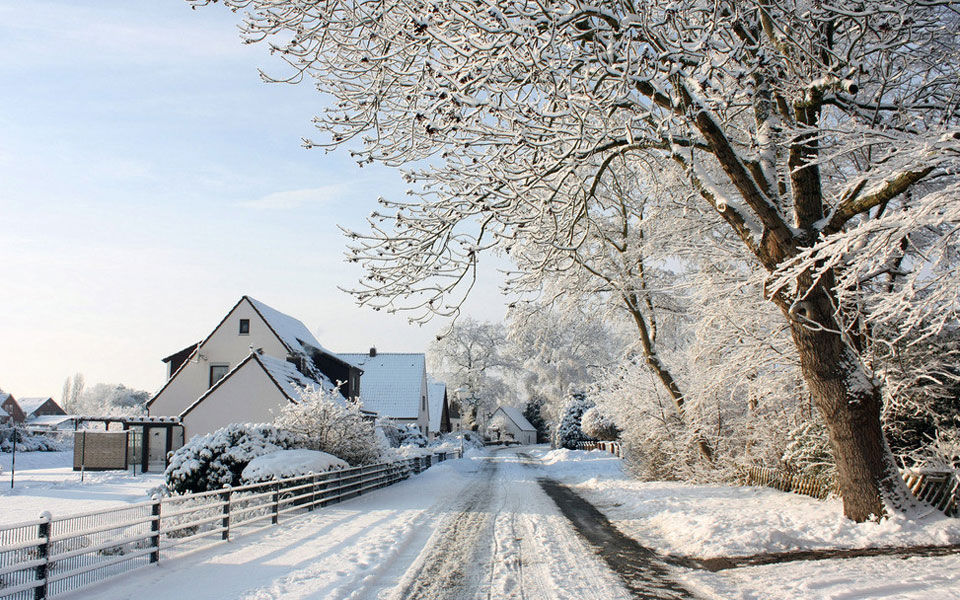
(48, 557)
(940, 488)
(611, 447)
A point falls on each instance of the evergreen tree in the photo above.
(532, 412)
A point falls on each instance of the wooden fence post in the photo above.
(155, 529)
(276, 504)
(225, 511)
(43, 552)
(313, 492)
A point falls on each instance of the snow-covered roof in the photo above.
(292, 332)
(391, 383)
(50, 420)
(3, 397)
(290, 379)
(436, 390)
(28, 405)
(3, 413)
(518, 419)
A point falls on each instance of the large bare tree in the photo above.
(793, 120)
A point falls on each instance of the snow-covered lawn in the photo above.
(715, 520)
(46, 481)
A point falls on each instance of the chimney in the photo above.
(373, 351)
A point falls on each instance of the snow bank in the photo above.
(720, 520)
(290, 463)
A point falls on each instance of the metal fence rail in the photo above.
(48, 557)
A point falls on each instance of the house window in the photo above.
(217, 372)
(244, 326)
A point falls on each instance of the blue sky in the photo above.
(148, 179)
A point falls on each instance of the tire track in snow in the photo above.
(447, 568)
(506, 540)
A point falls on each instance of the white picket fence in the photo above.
(48, 557)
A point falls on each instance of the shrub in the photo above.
(27, 442)
(410, 435)
(568, 432)
(808, 451)
(333, 425)
(598, 425)
(208, 462)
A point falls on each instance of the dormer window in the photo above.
(244, 326)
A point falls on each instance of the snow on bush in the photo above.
(410, 435)
(597, 425)
(568, 432)
(27, 442)
(209, 462)
(330, 424)
(448, 442)
(290, 463)
(808, 451)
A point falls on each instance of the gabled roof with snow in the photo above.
(3, 397)
(28, 405)
(436, 392)
(3, 413)
(292, 332)
(517, 417)
(391, 383)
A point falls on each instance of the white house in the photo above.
(508, 423)
(438, 407)
(394, 385)
(270, 381)
(246, 368)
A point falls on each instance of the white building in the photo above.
(509, 424)
(246, 369)
(394, 385)
(438, 407)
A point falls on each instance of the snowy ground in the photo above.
(709, 521)
(482, 527)
(46, 481)
(473, 528)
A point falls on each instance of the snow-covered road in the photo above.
(474, 528)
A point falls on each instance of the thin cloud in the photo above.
(292, 199)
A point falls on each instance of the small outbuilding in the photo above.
(508, 424)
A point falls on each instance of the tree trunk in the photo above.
(849, 400)
(669, 383)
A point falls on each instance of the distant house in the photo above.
(9, 405)
(438, 406)
(453, 410)
(394, 385)
(258, 348)
(24, 409)
(508, 423)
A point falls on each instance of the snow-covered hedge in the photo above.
(290, 463)
(208, 462)
(27, 442)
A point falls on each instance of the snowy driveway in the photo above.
(467, 529)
